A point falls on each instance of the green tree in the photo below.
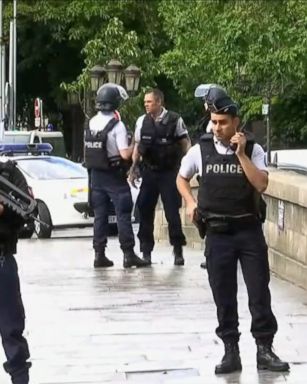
(254, 48)
(60, 40)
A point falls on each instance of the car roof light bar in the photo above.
(33, 149)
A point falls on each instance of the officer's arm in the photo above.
(126, 153)
(258, 178)
(185, 144)
(182, 136)
(125, 150)
(136, 154)
(184, 188)
(134, 171)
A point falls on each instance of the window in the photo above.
(49, 168)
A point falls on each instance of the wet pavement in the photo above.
(153, 325)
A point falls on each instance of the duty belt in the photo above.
(230, 224)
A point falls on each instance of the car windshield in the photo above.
(50, 168)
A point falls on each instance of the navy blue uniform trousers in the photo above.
(155, 183)
(106, 186)
(12, 322)
(246, 245)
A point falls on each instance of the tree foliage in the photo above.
(63, 39)
(255, 49)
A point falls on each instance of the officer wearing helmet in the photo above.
(233, 174)
(107, 156)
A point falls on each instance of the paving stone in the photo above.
(153, 325)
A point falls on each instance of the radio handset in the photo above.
(234, 146)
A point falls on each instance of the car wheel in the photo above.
(43, 214)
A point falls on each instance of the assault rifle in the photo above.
(18, 201)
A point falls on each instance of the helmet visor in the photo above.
(202, 90)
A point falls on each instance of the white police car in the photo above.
(57, 184)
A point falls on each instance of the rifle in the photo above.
(18, 201)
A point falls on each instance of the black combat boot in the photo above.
(147, 257)
(101, 261)
(20, 377)
(231, 361)
(266, 359)
(179, 260)
(132, 260)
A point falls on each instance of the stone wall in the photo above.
(285, 227)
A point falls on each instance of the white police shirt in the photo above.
(181, 130)
(191, 163)
(117, 138)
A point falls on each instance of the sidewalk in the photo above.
(153, 325)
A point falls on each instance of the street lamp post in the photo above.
(132, 77)
(97, 74)
(76, 127)
(266, 112)
(115, 74)
(115, 71)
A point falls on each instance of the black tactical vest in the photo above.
(95, 147)
(223, 186)
(159, 146)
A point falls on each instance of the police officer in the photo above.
(161, 139)
(12, 316)
(233, 174)
(205, 124)
(107, 154)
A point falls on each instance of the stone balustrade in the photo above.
(285, 227)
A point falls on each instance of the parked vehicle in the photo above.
(55, 138)
(56, 184)
(60, 187)
(290, 159)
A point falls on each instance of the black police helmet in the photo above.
(110, 96)
(209, 92)
(216, 99)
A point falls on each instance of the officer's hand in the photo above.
(240, 140)
(134, 175)
(1, 209)
(190, 210)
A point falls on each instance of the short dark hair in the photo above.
(158, 94)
